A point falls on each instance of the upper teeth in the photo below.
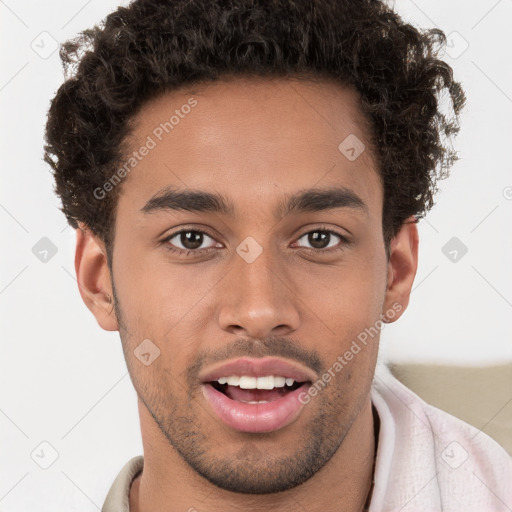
(245, 382)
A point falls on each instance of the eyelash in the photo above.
(187, 252)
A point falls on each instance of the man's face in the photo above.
(251, 291)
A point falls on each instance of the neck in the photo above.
(168, 484)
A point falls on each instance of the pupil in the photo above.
(318, 239)
(191, 239)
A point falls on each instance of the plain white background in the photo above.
(64, 380)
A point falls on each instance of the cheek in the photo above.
(165, 305)
(154, 293)
(343, 313)
(351, 294)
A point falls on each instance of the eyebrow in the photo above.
(310, 200)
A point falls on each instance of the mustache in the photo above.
(273, 346)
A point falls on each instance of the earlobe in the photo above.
(402, 267)
(93, 278)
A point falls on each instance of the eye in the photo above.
(322, 239)
(187, 241)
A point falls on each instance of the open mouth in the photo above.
(256, 395)
(256, 390)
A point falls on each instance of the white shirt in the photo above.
(427, 460)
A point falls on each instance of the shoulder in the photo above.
(433, 458)
(118, 497)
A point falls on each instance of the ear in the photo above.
(402, 267)
(93, 277)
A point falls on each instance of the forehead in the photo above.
(251, 140)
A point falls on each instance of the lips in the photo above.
(260, 367)
(256, 395)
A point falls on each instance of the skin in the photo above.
(254, 142)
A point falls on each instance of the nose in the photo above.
(258, 299)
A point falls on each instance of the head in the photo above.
(245, 180)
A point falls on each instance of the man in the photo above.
(245, 179)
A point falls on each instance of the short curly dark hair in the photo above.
(153, 46)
